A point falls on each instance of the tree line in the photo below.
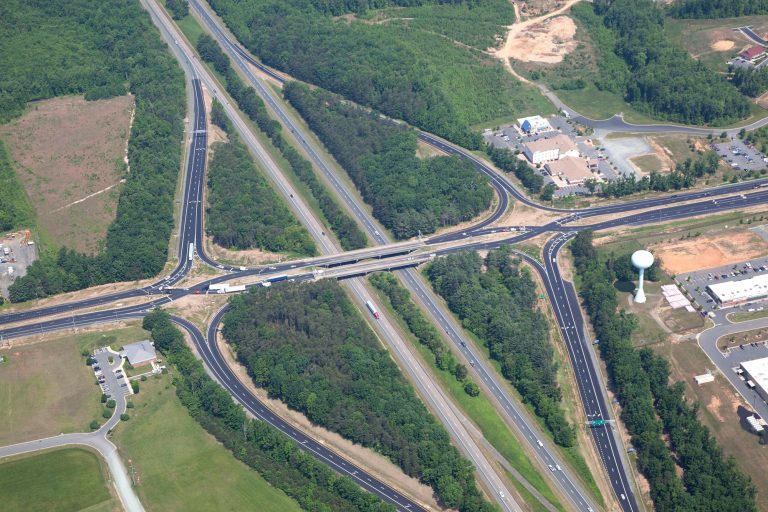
(499, 306)
(422, 329)
(370, 65)
(262, 447)
(349, 234)
(15, 210)
(750, 82)
(717, 8)
(126, 49)
(408, 195)
(244, 211)
(651, 407)
(507, 161)
(685, 175)
(659, 78)
(307, 345)
(179, 8)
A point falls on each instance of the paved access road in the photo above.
(96, 440)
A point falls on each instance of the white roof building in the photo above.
(739, 292)
(547, 150)
(534, 124)
(139, 353)
(757, 371)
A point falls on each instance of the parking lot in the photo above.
(14, 264)
(510, 137)
(741, 156)
(695, 283)
(111, 377)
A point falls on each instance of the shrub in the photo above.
(111, 404)
(95, 425)
(135, 386)
(104, 398)
(129, 405)
(471, 389)
(124, 417)
(106, 414)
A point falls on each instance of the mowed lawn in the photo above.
(67, 480)
(46, 388)
(180, 467)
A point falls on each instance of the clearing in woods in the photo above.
(65, 480)
(70, 156)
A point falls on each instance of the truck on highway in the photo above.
(372, 309)
(237, 288)
(218, 287)
(277, 279)
(191, 251)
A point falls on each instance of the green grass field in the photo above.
(180, 467)
(67, 480)
(46, 388)
(747, 315)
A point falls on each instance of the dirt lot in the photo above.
(70, 154)
(710, 251)
(16, 262)
(548, 41)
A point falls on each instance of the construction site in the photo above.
(17, 252)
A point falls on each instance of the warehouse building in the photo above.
(733, 293)
(756, 375)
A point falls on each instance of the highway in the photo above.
(569, 318)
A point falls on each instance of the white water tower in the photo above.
(641, 260)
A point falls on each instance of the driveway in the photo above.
(725, 362)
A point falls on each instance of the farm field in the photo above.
(66, 480)
(174, 460)
(69, 156)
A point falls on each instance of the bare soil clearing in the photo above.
(706, 252)
(70, 156)
(722, 45)
(548, 41)
(534, 40)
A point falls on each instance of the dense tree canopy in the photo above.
(717, 8)
(407, 194)
(307, 345)
(116, 47)
(243, 211)
(418, 76)
(498, 305)
(314, 485)
(651, 407)
(658, 78)
(349, 234)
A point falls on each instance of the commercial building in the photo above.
(139, 353)
(732, 293)
(547, 150)
(756, 375)
(751, 54)
(534, 124)
(569, 171)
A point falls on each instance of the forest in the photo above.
(750, 82)
(499, 306)
(315, 486)
(307, 345)
(408, 195)
(101, 49)
(349, 234)
(685, 175)
(243, 211)
(651, 407)
(409, 69)
(717, 8)
(657, 77)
